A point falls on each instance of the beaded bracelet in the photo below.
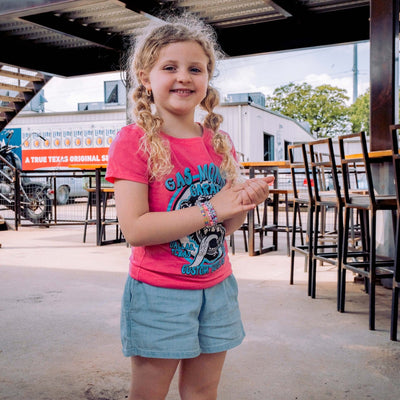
(212, 215)
(208, 213)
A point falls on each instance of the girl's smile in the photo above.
(182, 92)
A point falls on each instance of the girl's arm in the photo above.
(144, 228)
(233, 224)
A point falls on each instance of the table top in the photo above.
(280, 191)
(104, 189)
(371, 154)
(88, 166)
(260, 164)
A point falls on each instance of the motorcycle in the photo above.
(35, 198)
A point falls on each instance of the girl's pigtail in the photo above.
(212, 120)
(220, 141)
(159, 160)
(142, 107)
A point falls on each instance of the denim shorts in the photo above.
(172, 323)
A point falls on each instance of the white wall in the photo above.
(247, 124)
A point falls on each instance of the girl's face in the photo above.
(179, 79)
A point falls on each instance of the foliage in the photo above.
(323, 108)
(359, 113)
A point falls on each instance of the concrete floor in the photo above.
(59, 320)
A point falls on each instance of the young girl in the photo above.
(178, 194)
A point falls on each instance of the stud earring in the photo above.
(148, 92)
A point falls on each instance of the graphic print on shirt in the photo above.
(203, 250)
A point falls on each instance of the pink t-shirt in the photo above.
(199, 260)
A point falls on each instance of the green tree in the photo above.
(323, 107)
(359, 113)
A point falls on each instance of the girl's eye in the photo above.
(195, 70)
(169, 68)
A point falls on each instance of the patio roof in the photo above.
(77, 37)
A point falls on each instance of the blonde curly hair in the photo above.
(144, 54)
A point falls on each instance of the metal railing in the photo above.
(70, 204)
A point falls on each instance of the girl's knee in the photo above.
(151, 378)
(198, 392)
(200, 376)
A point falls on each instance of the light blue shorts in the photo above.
(171, 323)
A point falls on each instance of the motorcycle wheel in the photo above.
(39, 204)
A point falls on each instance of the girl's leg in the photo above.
(199, 377)
(151, 378)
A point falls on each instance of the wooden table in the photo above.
(264, 168)
(99, 190)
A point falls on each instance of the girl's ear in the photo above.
(145, 79)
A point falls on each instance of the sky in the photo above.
(262, 73)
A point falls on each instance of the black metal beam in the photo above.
(289, 8)
(76, 30)
(323, 29)
(152, 7)
(147, 6)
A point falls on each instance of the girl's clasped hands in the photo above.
(241, 197)
(254, 191)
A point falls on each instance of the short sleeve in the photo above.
(125, 158)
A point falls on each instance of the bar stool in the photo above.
(328, 244)
(396, 277)
(89, 220)
(245, 227)
(302, 198)
(276, 226)
(106, 194)
(365, 262)
(258, 228)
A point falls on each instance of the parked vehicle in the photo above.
(34, 197)
(70, 183)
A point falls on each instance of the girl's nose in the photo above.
(183, 76)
